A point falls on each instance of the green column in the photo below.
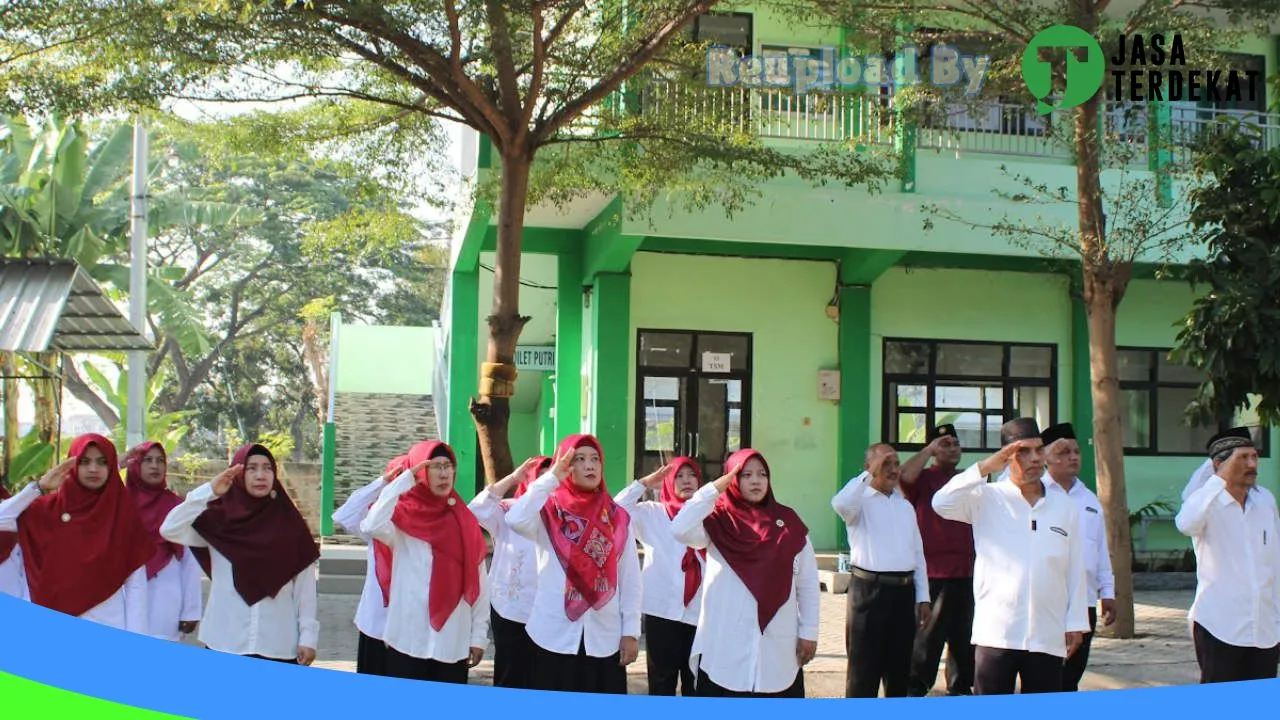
(904, 126)
(854, 340)
(1160, 150)
(326, 474)
(464, 375)
(568, 376)
(610, 369)
(1082, 387)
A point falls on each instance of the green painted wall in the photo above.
(386, 359)
(782, 303)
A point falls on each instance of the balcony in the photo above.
(983, 128)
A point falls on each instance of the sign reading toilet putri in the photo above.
(536, 358)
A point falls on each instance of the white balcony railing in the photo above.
(980, 128)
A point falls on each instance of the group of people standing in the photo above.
(1003, 563)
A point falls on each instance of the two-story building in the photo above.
(821, 320)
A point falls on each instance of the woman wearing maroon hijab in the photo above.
(585, 621)
(438, 614)
(173, 573)
(262, 595)
(513, 576)
(759, 621)
(672, 575)
(13, 577)
(84, 549)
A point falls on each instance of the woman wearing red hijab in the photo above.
(513, 577)
(173, 573)
(84, 549)
(371, 611)
(13, 577)
(585, 621)
(438, 614)
(759, 622)
(672, 575)
(264, 561)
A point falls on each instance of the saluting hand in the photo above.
(57, 475)
(628, 650)
(722, 482)
(222, 483)
(1002, 457)
(654, 479)
(563, 465)
(419, 468)
(474, 656)
(503, 486)
(805, 651)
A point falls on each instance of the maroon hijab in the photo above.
(79, 546)
(266, 540)
(758, 541)
(154, 503)
(672, 503)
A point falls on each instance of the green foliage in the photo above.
(166, 428)
(1229, 333)
(32, 461)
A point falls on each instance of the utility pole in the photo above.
(135, 431)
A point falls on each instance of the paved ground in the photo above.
(1161, 655)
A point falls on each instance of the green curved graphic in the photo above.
(1084, 76)
(27, 699)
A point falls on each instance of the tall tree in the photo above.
(529, 75)
(1229, 333)
(1105, 249)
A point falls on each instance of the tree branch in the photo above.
(81, 391)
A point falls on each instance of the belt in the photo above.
(884, 578)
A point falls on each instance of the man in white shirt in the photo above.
(889, 590)
(1235, 530)
(1062, 474)
(1029, 579)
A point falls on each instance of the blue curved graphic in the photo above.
(94, 661)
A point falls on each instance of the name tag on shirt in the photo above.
(1058, 530)
(1091, 509)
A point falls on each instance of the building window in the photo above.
(732, 30)
(1154, 394)
(976, 386)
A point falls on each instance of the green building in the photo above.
(820, 320)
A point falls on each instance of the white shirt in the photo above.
(882, 529)
(1198, 478)
(408, 627)
(1237, 564)
(173, 596)
(273, 627)
(599, 631)
(13, 576)
(728, 645)
(1029, 585)
(371, 614)
(1097, 557)
(126, 609)
(513, 576)
(662, 579)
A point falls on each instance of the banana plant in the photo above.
(166, 428)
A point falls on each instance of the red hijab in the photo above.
(530, 475)
(79, 546)
(588, 532)
(266, 539)
(445, 523)
(382, 552)
(8, 540)
(154, 503)
(758, 541)
(672, 503)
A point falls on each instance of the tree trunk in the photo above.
(45, 393)
(492, 412)
(9, 368)
(1105, 282)
(81, 391)
(313, 352)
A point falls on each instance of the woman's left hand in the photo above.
(475, 656)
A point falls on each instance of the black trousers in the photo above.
(997, 671)
(371, 656)
(707, 688)
(513, 653)
(1220, 662)
(1073, 668)
(880, 630)
(668, 644)
(579, 673)
(290, 661)
(950, 624)
(408, 667)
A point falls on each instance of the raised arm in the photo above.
(1194, 513)
(12, 509)
(687, 524)
(958, 499)
(378, 523)
(177, 525)
(848, 502)
(356, 508)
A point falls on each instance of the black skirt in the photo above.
(408, 667)
(579, 673)
(371, 656)
(513, 653)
